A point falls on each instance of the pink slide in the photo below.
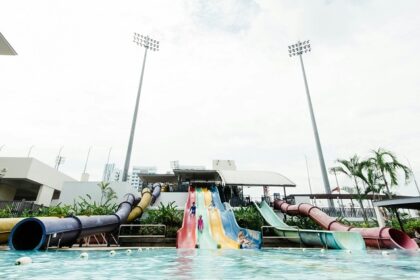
(186, 235)
(380, 238)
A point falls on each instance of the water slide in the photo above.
(230, 225)
(186, 235)
(216, 225)
(137, 211)
(41, 233)
(157, 187)
(384, 237)
(204, 239)
(6, 225)
(321, 238)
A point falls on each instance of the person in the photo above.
(192, 209)
(243, 241)
(200, 224)
(212, 205)
(417, 235)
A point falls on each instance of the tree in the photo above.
(387, 166)
(373, 181)
(353, 169)
(106, 205)
(107, 192)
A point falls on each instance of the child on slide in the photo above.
(200, 224)
(192, 209)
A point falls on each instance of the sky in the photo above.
(222, 85)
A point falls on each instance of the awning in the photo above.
(254, 178)
(404, 203)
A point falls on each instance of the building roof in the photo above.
(405, 203)
(5, 47)
(33, 170)
(254, 178)
(198, 176)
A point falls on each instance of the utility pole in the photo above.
(297, 50)
(148, 44)
(30, 150)
(309, 180)
(59, 159)
(414, 177)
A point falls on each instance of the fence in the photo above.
(17, 208)
(349, 212)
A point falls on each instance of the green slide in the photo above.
(204, 239)
(319, 238)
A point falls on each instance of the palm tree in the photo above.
(353, 168)
(387, 166)
(372, 179)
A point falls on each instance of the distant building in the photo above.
(219, 164)
(175, 165)
(134, 177)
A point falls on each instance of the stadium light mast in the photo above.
(297, 50)
(148, 44)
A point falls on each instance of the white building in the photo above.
(175, 165)
(72, 191)
(134, 177)
(31, 180)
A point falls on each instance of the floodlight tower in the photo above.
(148, 44)
(297, 50)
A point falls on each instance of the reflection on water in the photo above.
(213, 264)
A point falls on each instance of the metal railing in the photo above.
(348, 212)
(143, 230)
(17, 208)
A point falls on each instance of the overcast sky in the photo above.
(221, 87)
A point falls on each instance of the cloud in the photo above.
(233, 16)
(222, 85)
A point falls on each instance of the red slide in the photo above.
(380, 238)
(186, 236)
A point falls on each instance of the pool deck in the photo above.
(158, 243)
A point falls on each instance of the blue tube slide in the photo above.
(41, 233)
(157, 187)
(230, 225)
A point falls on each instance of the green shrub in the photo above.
(167, 215)
(302, 222)
(6, 212)
(248, 217)
(409, 224)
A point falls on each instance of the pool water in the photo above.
(213, 264)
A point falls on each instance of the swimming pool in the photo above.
(213, 264)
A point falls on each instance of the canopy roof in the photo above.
(235, 177)
(405, 203)
(5, 47)
(254, 178)
(158, 178)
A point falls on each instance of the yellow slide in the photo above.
(216, 225)
(146, 198)
(6, 225)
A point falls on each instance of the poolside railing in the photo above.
(17, 207)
